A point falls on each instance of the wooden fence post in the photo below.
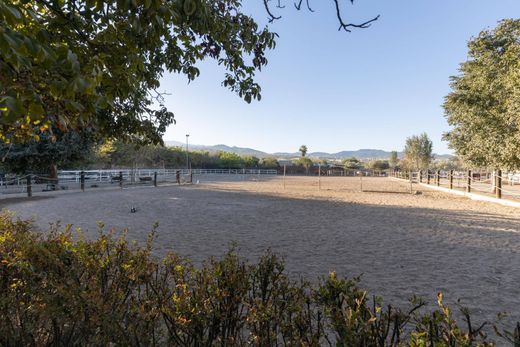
(428, 176)
(468, 185)
(319, 176)
(498, 184)
(29, 185)
(284, 171)
(82, 180)
(438, 177)
(420, 176)
(451, 179)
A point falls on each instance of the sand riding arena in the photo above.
(402, 240)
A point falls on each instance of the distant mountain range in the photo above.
(360, 153)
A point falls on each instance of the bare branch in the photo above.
(271, 15)
(309, 6)
(346, 26)
(342, 24)
(299, 5)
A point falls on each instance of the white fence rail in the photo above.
(72, 177)
(135, 174)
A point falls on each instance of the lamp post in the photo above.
(187, 154)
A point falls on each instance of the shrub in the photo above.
(60, 289)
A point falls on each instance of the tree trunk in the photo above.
(53, 170)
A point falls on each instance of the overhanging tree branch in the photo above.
(272, 17)
(346, 26)
(342, 24)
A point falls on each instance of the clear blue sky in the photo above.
(339, 91)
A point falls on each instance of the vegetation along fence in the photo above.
(495, 183)
(82, 180)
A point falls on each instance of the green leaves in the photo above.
(98, 63)
(418, 152)
(10, 14)
(483, 107)
(36, 111)
(110, 291)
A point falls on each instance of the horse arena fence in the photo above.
(92, 179)
(491, 184)
(496, 184)
(320, 177)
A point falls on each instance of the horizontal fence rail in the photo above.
(87, 179)
(497, 184)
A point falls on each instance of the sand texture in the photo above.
(402, 243)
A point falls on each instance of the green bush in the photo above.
(60, 289)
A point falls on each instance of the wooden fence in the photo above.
(498, 183)
(81, 180)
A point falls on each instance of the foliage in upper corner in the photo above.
(97, 63)
(484, 105)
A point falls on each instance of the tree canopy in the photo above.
(352, 163)
(303, 150)
(378, 165)
(66, 149)
(117, 154)
(484, 105)
(394, 159)
(97, 63)
(418, 151)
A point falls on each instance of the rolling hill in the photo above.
(360, 153)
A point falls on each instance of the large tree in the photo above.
(394, 159)
(484, 105)
(65, 149)
(98, 63)
(418, 151)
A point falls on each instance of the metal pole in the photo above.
(319, 176)
(187, 154)
(284, 169)
(451, 179)
(155, 179)
(498, 184)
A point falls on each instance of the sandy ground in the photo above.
(402, 243)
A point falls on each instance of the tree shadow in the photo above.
(401, 251)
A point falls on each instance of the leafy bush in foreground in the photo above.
(61, 291)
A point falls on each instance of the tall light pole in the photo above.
(187, 154)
